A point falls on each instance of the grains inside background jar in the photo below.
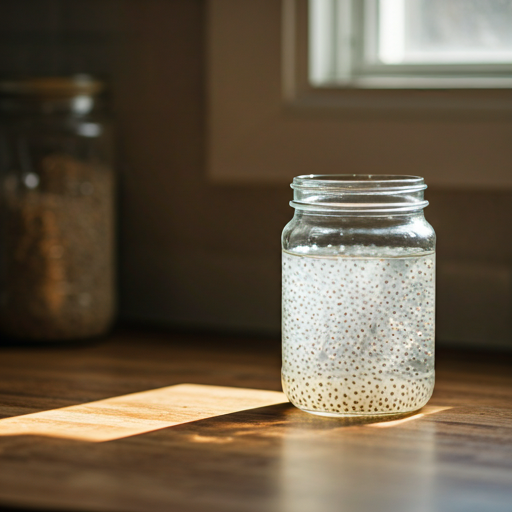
(58, 231)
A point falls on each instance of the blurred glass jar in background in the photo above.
(56, 209)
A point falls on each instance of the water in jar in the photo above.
(358, 332)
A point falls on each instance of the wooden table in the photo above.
(83, 444)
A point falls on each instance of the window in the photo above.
(410, 43)
(266, 123)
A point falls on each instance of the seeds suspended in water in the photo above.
(403, 354)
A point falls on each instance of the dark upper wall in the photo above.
(203, 255)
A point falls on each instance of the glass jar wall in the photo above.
(56, 209)
(358, 296)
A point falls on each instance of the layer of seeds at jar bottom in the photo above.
(358, 333)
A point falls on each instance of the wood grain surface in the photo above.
(224, 442)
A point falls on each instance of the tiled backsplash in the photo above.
(60, 37)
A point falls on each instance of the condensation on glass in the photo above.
(358, 303)
(56, 209)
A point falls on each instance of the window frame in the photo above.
(351, 41)
(426, 96)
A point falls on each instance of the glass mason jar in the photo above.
(358, 296)
(56, 209)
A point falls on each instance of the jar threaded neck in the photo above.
(359, 193)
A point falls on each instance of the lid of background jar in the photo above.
(52, 86)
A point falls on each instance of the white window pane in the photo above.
(392, 31)
(445, 31)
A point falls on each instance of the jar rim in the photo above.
(361, 193)
(364, 180)
(359, 177)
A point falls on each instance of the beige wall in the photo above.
(208, 256)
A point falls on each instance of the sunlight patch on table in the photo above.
(138, 413)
